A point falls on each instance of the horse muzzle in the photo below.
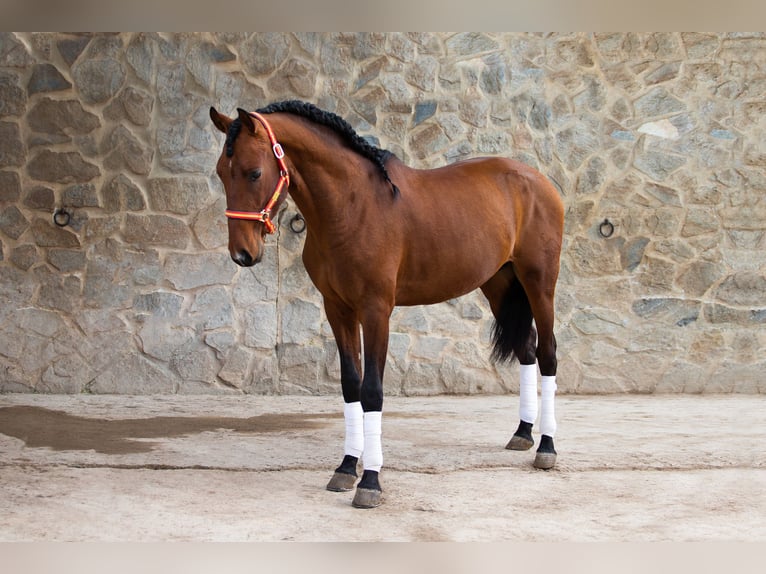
(243, 258)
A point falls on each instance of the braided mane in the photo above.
(340, 126)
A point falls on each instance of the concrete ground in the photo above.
(252, 468)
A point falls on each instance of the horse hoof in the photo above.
(545, 460)
(366, 498)
(341, 482)
(519, 443)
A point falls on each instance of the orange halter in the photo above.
(264, 216)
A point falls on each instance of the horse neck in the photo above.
(316, 163)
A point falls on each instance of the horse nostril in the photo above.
(243, 258)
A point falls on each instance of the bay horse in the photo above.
(381, 234)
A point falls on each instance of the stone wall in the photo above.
(664, 135)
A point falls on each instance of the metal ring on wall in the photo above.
(606, 229)
(298, 223)
(61, 217)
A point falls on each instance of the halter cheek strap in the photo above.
(264, 216)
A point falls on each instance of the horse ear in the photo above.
(246, 119)
(219, 120)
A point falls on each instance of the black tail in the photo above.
(513, 324)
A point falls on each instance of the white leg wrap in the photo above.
(547, 412)
(528, 393)
(352, 413)
(373, 447)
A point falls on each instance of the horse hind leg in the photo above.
(515, 337)
(540, 287)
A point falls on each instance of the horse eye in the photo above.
(254, 175)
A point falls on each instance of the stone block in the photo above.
(598, 322)
(103, 288)
(189, 271)
(422, 379)
(398, 92)
(593, 177)
(13, 53)
(428, 140)
(139, 54)
(263, 53)
(175, 101)
(10, 187)
(574, 145)
(98, 228)
(370, 71)
(156, 230)
(717, 313)
(235, 367)
(81, 195)
(131, 104)
(195, 362)
(122, 194)
(658, 102)
(657, 165)
(124, 150)
(24, 256)
(301, 322)
(67, 260)
(12, 149)
(663, 73)
(743, 289)
(296, 77)
(698, 277)
(40, 197)
(679, 312)
(700, 220)
(98, 80)
(470, 44)
(213, 309)
(299, 367)
(47, 234)
(134, 374)
(429, 348)
(190, 162)
(61, 293)
(12, 222)
(210, 226)
(13, 99)
(221, 341)
(71, 48)
(158, 304)
(46, 324)
(632, 252)
(68, 374)
(14, 380)
(181, 195)
(61, 167)
(46, 78)
(233, 90)
(594, 257)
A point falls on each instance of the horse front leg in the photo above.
(546, 353)
(346, 330)
(375, 329)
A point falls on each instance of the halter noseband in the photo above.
(264, 216)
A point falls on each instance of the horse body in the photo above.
(488, 223)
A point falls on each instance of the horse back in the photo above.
(460, 223)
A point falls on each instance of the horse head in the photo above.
(254, 176)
